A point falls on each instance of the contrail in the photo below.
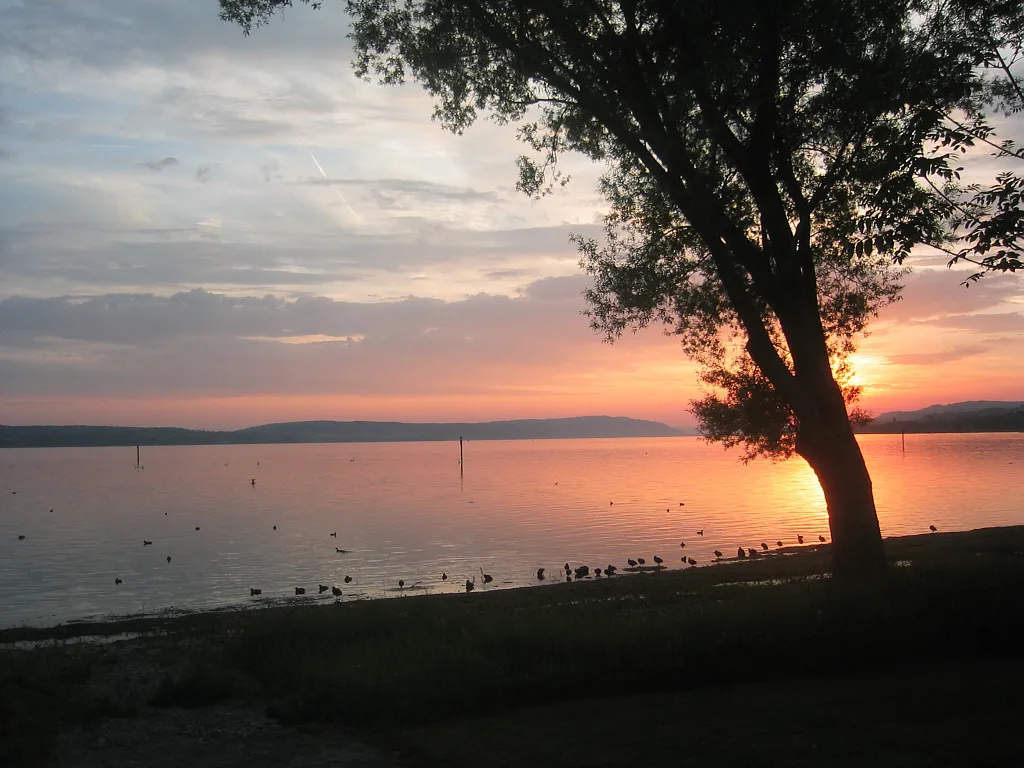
(340, 193)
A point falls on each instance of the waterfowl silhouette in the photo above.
(740, 553)
(540, 574)
(444, 576)
(658, 560)
(469, 585)
(322, 587)
(641, 561)
(117, 581)
(597, 572)
(691, 561)
(168, 558)
(335, 591)
(632, 562)
(487, 577)
(700, 532)
(253, 592)
(799, 539)
(254, 481)
(341, 551)
(682, 545)
(197, 527)
(610, 570)
(778, 543)
(753, 552)
(582, 572)
(932, 528)
(335, 534)
(348, 579)
(275, 527)
(146, 543)
(717, 553)
(821, 539)
(763, 545)
(21, 537)
(300, 590)
(401, 583)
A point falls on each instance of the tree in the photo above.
(761, 172)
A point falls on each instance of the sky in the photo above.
(206, 230)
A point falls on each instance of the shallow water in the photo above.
(404, 512)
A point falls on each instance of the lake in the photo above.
(404, 511)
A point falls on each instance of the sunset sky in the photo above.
(171, 252)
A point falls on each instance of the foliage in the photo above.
(984, 222)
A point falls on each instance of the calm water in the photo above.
(404, 513)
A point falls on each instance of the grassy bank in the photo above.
(416, 670)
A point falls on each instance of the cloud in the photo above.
(159, 165)
(937, 358)
(203, 173)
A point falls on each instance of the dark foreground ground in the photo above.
(752, 662)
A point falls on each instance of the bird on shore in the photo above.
(300, 590)
(117, 581)
(610, 570)
(691, 561)
(582, 572)
(740, 553)
(335, 534)
(401, 583)
(932, 528)
(469, 585)
(540, 574)
(778, 543)
(597, 572)
(632, 562)
(700, 532)
(253, 592)
(658, 561)
(753, 552)
(567, 568)
(764, 545)
(322, 587)
(641, 561)
(718, 554)
(146, 543)
(799, 539)
(335, 591)
(821, 539)
(487, 577)
(444, 576)
(348, 579)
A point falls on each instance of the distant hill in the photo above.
(334, 432)
(969, 416)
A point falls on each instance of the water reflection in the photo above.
(410, 512)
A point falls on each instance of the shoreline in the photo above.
(898, 548)
(701, 663)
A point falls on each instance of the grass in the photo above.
(600, 672)
(419, 660)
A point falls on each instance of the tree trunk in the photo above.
(834, 455)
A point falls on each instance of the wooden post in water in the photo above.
(903, 442)
(460, 454)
